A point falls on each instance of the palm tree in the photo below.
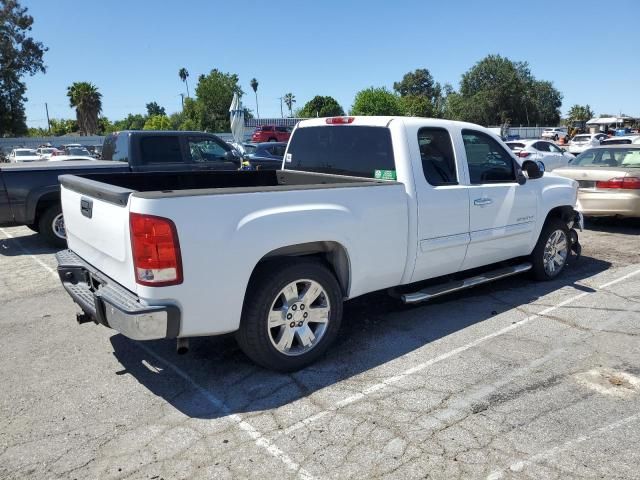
(289, 100)
(254, 86)
(87, 100)
(183, 73)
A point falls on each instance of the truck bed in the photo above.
(116, 187)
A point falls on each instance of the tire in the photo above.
(265, 297)
(548, 242)
(47, 227)
(555, 138)
(273, 139)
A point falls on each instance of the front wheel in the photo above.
(51, 226)
(551, 253)
(292, 313)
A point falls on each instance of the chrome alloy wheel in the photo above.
(57, 225)
(555, 252)
(298, 317)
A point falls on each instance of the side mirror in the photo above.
(232, 156)
(534, 169)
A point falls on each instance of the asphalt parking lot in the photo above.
(512, 380)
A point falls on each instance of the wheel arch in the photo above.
(331, 253)
(39, 201)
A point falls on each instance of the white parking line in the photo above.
(519, 466)
(24, 250)
(418, 368)
(257, 437)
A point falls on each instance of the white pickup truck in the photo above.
(361, 204)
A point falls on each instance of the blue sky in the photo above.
(132, 50)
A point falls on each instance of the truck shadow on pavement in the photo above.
(215, 379)
(25, 245)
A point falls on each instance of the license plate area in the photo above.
(586, 184)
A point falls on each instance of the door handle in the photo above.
(482, 201)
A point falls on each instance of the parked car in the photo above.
(45, 152)
(580, 143)
(548, 153)
(77, 152)
(267, 155)
(356, 209)
(555, 133)
(626, 140)
(67, 158)
(95, 150)
(608, 180)
(30, 194)
(271, 133)
(19, 155)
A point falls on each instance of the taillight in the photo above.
(523, 154)
(624, 183)
(156, 251)
(339, 120)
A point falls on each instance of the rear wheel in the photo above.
(291, 314)
(273, 139)
(552, 251)
(51, 226)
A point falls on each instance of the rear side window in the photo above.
(357, 151)
(160, 150)
(115, 147)
(436, 154)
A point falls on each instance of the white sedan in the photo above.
(548, 153)
(584, 141)
(23, 155)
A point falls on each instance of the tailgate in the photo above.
(96, 217)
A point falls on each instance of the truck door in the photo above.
(502, 213)
(443, 204)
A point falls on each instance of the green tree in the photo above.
(376, 101)
(254, 87)
(289, 100)
(61, 127)
(183, 73)
(497, 90)
(420, 95)
(210, 109)
(130, 122)
(20, 55)
(579, 113)
(87, 100)
(154, 109)
(158, 122)
(320, 106)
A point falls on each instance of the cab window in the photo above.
(488, 161)
(436, 155)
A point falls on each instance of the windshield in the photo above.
(609, 157)
(25, 153)
(354, 150)
(581, 138)
(77, 151)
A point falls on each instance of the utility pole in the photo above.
(46, 107)
(182, 99)
(281, 113)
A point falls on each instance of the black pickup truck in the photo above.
(30, 192)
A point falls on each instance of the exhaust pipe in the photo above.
(182, 346)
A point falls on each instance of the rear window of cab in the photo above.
(358, 151)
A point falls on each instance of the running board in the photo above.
(438, 290)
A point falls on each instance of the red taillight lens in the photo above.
(625, 183)
(523, 154)
(339, 120)
(156, 251)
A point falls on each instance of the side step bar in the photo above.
(438, 290)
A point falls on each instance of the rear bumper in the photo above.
(110, 304)
(609, 203)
